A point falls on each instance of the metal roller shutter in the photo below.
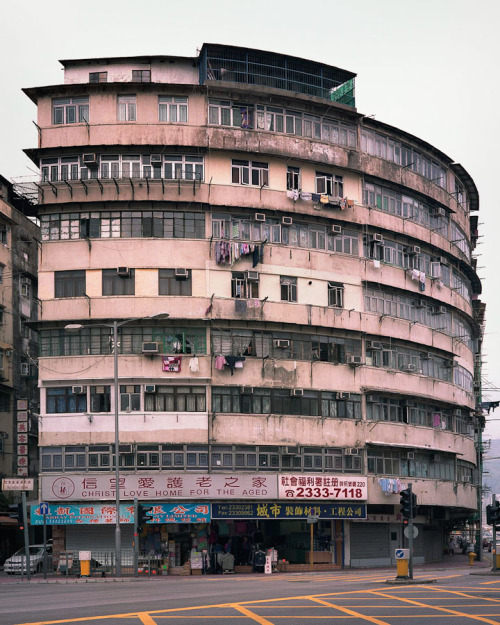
(370, 544)
(97, 538)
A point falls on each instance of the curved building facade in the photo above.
(323, 341)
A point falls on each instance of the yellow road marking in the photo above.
(370, 619)
(462, 594)
(252, 615)
(145, 618)
(438, 608)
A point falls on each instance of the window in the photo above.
(183, 167)
(4, 230)
(115, 284)
(25, 286)
(62, 399)
(2, 268)
(172, 109)
(328, 184)
(288, 288)
(98, 77)
(141, 75)
(127, 108)
(100, 399)
(250, 172)
(69, 283)
(130, 397)
(169, 284)
(176, 399)
(70, 110)
(335, 295)
(243, 288)
(2, 314)
(293, 178)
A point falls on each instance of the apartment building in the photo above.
(324, 328)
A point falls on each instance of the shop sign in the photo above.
(281, 510)
(148, 487)
(337, 487)
(18, 483)
(101, 514)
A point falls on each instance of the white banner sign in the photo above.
(323, 486)
(18, 483)
(159, 486)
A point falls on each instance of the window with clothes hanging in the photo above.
(242, 287)
(288, 289)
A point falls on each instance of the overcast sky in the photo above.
(429, 67)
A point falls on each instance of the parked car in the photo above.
(17, 561)
(487, 542)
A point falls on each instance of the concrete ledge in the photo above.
(409, 582)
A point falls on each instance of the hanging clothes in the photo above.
(232, 360)
(306, 196)
(422, 281)
(194, 365)
(323, 199)
(220, 361)
(255, 256)
(315, 197)
(171, 363)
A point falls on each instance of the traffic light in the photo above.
(20, 516)
(406, 501)
(493, 514)
(144, 514)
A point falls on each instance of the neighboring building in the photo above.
(19, 238)
(324, 329)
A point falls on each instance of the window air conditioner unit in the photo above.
(457, 412)
(409, 367)
(150, 388)
(413, 250)
(155, 158)
(290, 451)
(246, 390)
(25, 368)
(437, 211)
(410, 455)
(352, 451)
(374, 344)
(343, 395)
(466, 478)
(426, 355)
(181, 274)
(408, 403)
(296, 392)
(371, 399)
(78, 390)
(123, 272)
(443, 260)
(354, 360)
(435, 270)
(287, 221)
(440, 310)
(378, 238)
(150, 347)
(420, 303)
(252, 276)
(281, 343)
(336, 229)
(90, 159)
(448, 364)
(260, 217)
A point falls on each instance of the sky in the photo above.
(428, 67)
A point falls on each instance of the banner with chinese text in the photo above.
(279, 510)
(323, 486)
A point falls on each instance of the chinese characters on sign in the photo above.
(328, 487)
(160, 486)
(22, 437)
(101, 514)
(285, 510)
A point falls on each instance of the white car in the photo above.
(17, 562)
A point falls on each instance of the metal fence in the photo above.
(103, 564)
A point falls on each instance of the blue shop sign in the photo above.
(288, 510)
(104, 514)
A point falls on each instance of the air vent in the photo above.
(150, 388)
(90, 160)
(150, 347)
(79, 390)
(281, 343)
(252, 276)
(296, 392)
(260, 217)
(181, 274)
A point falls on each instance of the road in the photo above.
(361, 597)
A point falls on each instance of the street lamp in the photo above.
(76, 327)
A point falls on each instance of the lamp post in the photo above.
(75, 327)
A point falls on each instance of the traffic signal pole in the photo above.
(410, 534)
(494, 550)
(26, 537)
